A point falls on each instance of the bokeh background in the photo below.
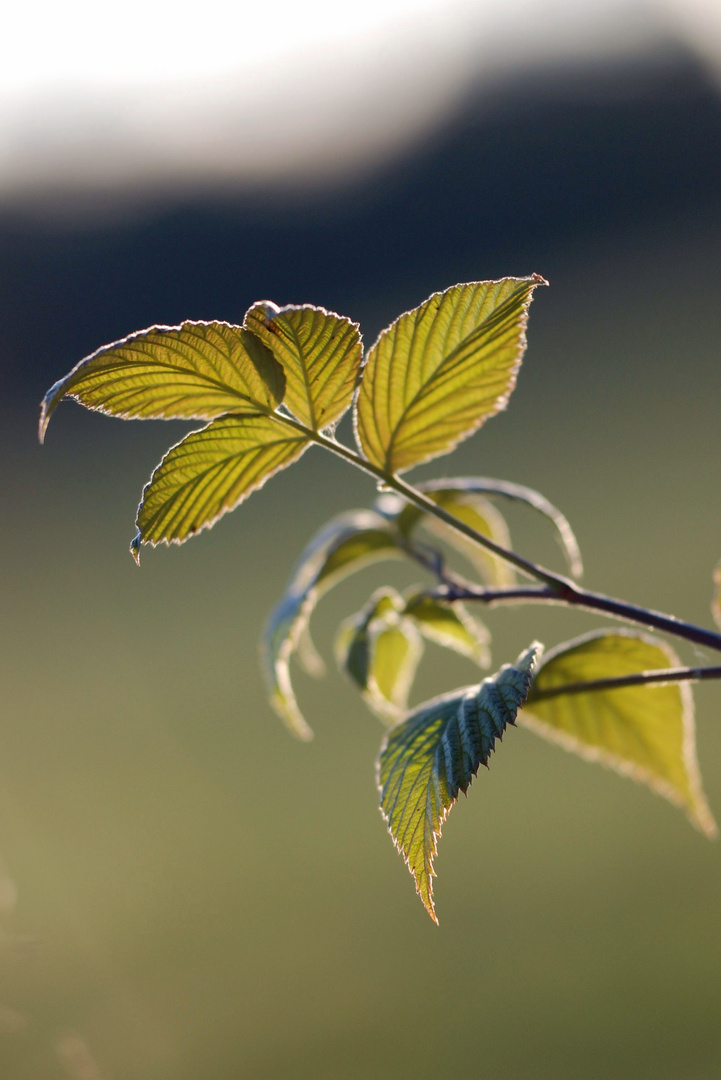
(185, 891)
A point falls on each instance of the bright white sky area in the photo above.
(151, 96)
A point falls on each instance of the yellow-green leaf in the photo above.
(380, 649)
(320, 353)
(210, 472)
(198, 370)
(645, 732)
(435, 753)
(347, 543)
(462, 496)
(440, 370)
(450, 625)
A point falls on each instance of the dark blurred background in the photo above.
(187, 892)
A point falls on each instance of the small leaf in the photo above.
(320, 353)
(380, 650)
(347, 543)
(716, 603)
(645, 732)
(440, 370)
(449, 625)
(210, 472)
(459, 492)
(435, 753)
(195, 371)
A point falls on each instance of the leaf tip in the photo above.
(135, 547)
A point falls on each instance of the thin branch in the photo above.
(559, 589)
(641, 678)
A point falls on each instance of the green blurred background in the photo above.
(189, 893)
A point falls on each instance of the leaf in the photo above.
(449, 625)
(196, 371)
(459, 492)
(716, 603)
(435, 753)
(210, 472)
(347, 543)
(440, 370)
(645, 732)
(380, 650)
(320, 353)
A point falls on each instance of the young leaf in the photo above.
(195, 371)
(440, 370)
(320, 353)
(346, 544)
(449, 625)
(210, 472)
(380, 650)
(645, 732)
(435, 753)
(716, 603)
(456, 493)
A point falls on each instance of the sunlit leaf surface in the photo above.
(346, 544)
(320, 353)
(380, 649)
(435, 753)
(440, 370)
(449, 625)
(210, 472)
(463, 496)
(645, 732)
(195, 371)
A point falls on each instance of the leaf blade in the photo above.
(440, 370)
(195, 371)
(347, 543)
(210, 472)
(644, 732)
(320, 353)
(430, 757)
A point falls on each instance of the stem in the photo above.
(574, 596)
(411, 494)
(641, 678)
(558, 590)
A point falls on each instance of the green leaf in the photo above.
(435, 753)
(458, 496)
(346, 544)
(716, 603)
(380, 650)
(320, 353)
(198, 370)
(449, 625)
(210, 472)
(645, 732)
(440, 370)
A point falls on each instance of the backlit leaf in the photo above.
(440, 370)
(434, 754)
(380, 650)
(320, 353)
(347, 543)
(210, 472)
(645, 732)
(199, 370)
(457, 496)
(449, 625)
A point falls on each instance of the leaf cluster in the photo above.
(279, 383)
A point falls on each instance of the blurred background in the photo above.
(185, 891)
